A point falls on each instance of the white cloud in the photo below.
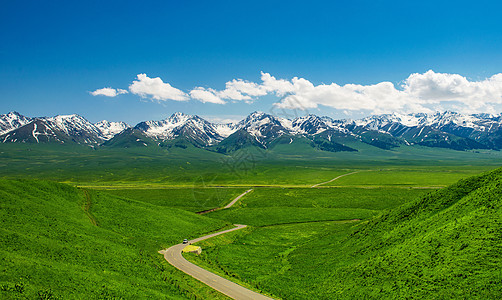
(108, 92)
(280, 87)
(419, 93)
(235, 90)
(205, 96)
(432, 87)
(155, 88)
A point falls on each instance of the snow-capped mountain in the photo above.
(180, 125)
(61, 129)
(11, 121)
(264, 127)
(110, 129)
(444, 130)
(310, 124)
(450, 129)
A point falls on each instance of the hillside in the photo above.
(61, 242)
(443, 245)
(446, 244)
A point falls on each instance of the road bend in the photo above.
(227, 287)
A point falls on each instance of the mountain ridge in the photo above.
(441, 129)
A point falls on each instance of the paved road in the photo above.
(237, 198)
(316, 185)
(233, 290)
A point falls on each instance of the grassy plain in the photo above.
(158, 167)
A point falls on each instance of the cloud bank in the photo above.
(425, 92)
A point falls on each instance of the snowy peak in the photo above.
(74, 125)
(309, 124)
(378, 121)
(110, 129)
(11, 121)
(442, 129)
(264, 127)
(180, 125)
(225, 130)
(61, 128)
(37, 131)
(480, 122)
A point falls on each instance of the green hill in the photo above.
(61, 242)
(446, 244)
(130, 138)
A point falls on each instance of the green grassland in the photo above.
(269, 206)
(388, 231)
(192, 199)
(160, 167)
(62, 242)
(441, 245)
(429, 176)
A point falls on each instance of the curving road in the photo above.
(227, 287)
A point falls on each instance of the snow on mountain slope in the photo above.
(225, 130)
(110, 129)
(180, 125)
(310, 124)
(441, 129)
(11, 121)
(264, 127)
(61, 128)
(37, 131)
(76, 127)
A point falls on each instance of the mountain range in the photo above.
(442, 129)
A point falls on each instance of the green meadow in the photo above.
(270, 206)
(174, 167)
(79, 223)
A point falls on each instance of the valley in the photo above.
(321, 223)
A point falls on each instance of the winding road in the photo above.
(227, 287)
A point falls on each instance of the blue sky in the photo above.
(54, 53)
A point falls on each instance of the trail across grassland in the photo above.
(226, 206)
(86, 207)
(316, 185)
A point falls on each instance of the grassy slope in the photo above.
(49, 246)
(446, 244)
